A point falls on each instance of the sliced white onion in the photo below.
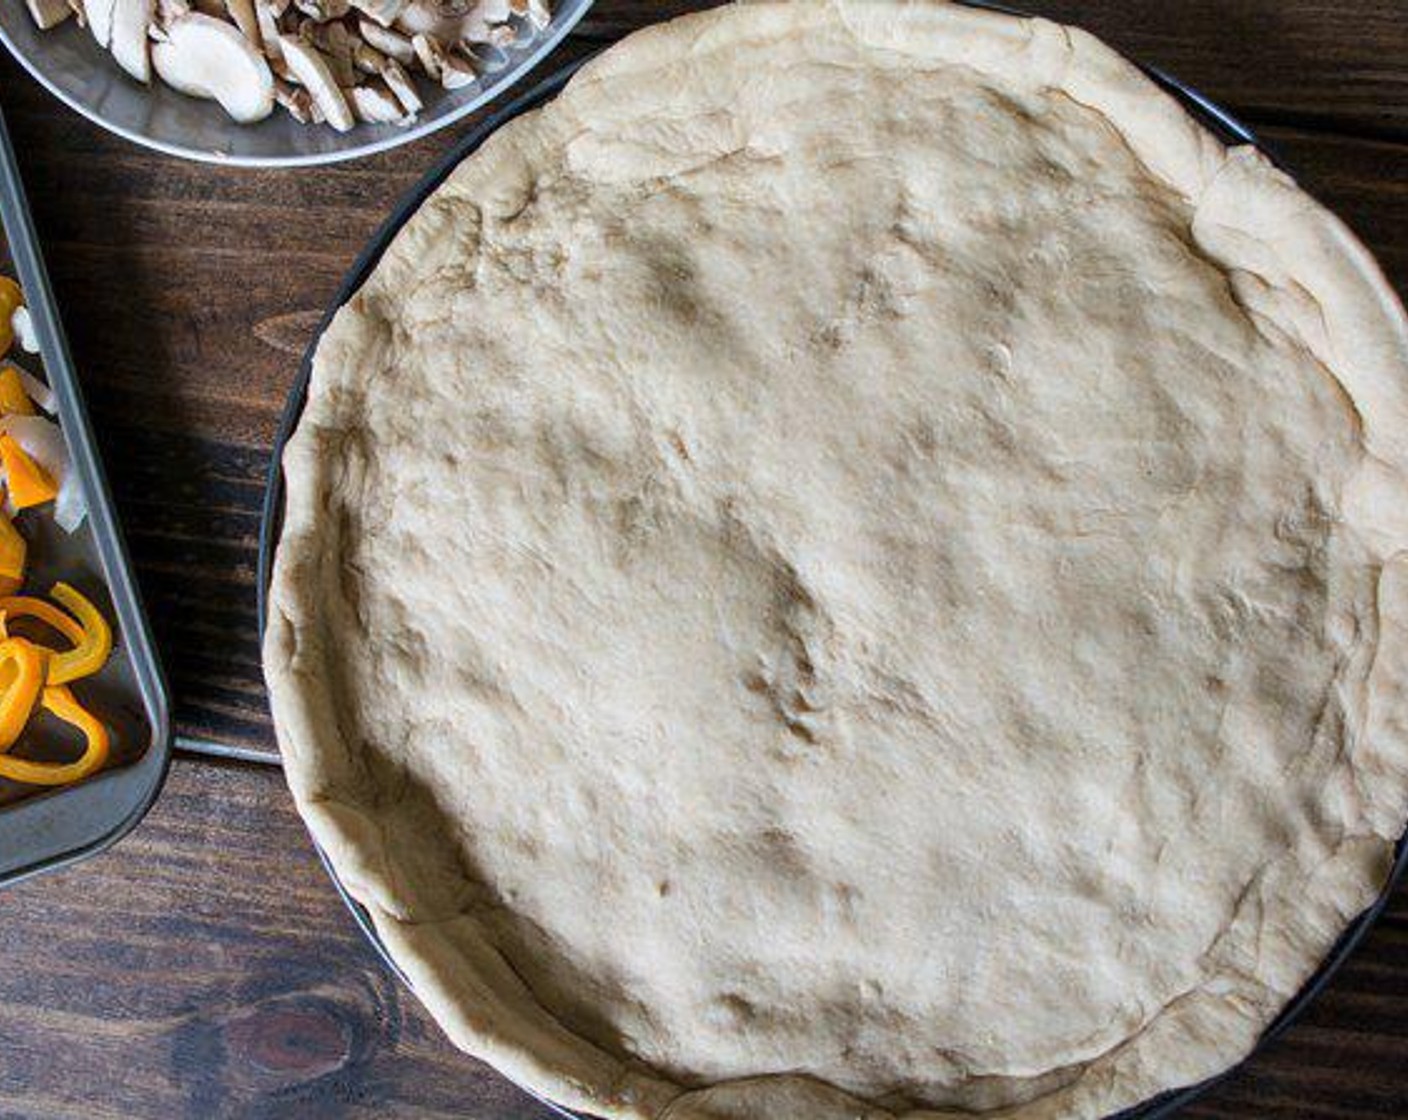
(44, 443)
(23, 326)
(35, 389)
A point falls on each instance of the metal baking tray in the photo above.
(41, 829)
(1219, 121)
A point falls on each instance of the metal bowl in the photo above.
(67, 62)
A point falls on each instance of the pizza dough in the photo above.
(853, 565)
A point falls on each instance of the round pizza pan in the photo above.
(1219, 121)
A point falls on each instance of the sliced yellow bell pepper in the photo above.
(60, 701)
(10, 298)
(12, 557)
(22, 606)
(14, 401)
(29, 483)
(22, 669)
(91, 652)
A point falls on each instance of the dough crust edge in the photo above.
(1250, 219)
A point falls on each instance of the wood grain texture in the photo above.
(206, 968)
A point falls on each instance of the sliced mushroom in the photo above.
(323, 10)
(48, 13)
(295, 100)
(100, 21)
(536, 12)
(503, 36)
(448, 23)
(487, 22)
(247, 20)
(128, 43)
(456, 72)
(168, 12)
(312, 72)
(395, 76)
(268, 22)
(383, 12)
(375, 104)
(367, 60)
(430, 54)
(336, 43)
(298, 102)
(388, 42)
(207, 57)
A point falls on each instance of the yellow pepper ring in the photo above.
(91, 651)
(61, 702)
(22, 670)
(22, 606)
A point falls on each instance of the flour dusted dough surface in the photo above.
(853, 566)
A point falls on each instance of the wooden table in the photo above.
(205, 968)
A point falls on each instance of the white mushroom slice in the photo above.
(367, 60)
(242, 12)
(388, 42)
(395, 76)
(503, 36)
(536, 12)
(487, 22)
(48, 13)
(323, 10)
(295, 100)
(375, 104)
(430, 54)
(456, 72)
(268, 21)
(313, 73)
(209, 58)
(452, 24)
(168, 12)
(335, 42)
(130, 20)
(449, 23)
(383, 12)
(100, 21)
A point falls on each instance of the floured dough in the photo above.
(851, 566)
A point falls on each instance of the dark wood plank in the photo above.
(206, 969)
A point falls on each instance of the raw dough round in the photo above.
(854, 565)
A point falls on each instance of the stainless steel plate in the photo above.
(68, 62)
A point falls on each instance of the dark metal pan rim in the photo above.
(1218, 120)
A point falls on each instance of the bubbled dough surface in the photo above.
(818, 568)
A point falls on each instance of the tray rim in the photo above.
(1222, 123)
(148, 772)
